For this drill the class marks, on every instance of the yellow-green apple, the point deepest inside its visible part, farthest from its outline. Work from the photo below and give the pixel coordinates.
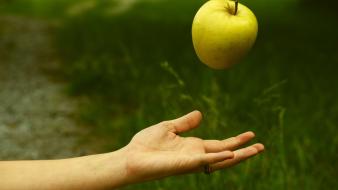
(223, 32)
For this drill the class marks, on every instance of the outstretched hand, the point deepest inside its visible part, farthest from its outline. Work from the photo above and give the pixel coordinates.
(153, 153)
(159, 151)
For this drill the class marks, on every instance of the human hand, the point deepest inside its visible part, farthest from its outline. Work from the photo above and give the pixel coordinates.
(159, 151)
(153, 153)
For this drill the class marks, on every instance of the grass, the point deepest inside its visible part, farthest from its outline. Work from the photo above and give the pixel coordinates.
(139, 68)
(36, 8)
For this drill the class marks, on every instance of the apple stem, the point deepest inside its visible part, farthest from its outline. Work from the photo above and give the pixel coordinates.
(236, 6)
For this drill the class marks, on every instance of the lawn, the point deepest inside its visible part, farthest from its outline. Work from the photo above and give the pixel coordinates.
(137, 67)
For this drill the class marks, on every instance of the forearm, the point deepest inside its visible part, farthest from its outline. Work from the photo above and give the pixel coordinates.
(103, 171)
(155, 152)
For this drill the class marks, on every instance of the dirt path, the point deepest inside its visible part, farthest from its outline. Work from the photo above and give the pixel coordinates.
(36, 117)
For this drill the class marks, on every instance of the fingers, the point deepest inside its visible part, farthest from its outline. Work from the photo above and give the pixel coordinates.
(239, 156)
(187, 122)
(212, 158)
(228, 144)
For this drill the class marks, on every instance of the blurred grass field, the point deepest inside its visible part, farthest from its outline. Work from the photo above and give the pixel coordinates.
(136, 66)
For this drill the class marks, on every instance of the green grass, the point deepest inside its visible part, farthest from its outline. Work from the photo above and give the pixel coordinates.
(139, 68)
(36, 8)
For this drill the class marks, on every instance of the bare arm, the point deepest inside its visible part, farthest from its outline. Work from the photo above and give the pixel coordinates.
(100, 171)
(153, 153)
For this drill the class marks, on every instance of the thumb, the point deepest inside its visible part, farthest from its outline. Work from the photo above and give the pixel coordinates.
(187, 122)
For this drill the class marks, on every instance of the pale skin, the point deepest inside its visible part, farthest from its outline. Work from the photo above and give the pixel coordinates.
(153, 153)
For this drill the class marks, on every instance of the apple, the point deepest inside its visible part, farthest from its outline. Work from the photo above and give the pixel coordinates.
(223, 32)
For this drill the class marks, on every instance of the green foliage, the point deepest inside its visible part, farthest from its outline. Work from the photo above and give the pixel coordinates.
(138, 67)
(36, 8)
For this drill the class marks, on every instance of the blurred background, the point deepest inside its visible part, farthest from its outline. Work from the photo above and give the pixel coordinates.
(81, 77)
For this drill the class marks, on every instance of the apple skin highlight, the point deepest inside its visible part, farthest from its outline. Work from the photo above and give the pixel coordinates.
(220, 37)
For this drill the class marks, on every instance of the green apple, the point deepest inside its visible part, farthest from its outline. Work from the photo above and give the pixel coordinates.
(223, 32)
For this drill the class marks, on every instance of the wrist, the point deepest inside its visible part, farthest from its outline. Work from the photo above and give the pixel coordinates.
(103, 171)
(112, 168)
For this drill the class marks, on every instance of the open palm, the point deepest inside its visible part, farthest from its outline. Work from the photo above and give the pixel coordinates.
(159, 151)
